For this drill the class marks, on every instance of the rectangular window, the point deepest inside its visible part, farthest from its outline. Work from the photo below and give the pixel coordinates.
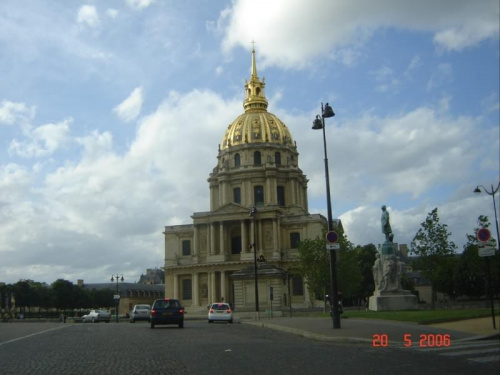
(186, 289)
(297, 286)
(186, 247)
(281, 196)
(237, 195)
(258, 196)
(294, 240)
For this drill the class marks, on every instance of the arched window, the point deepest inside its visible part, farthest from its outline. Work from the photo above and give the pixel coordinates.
(257, 158)
(258, 196)
(237, 160)
(277, 158)
(237, 195)
(280, 190)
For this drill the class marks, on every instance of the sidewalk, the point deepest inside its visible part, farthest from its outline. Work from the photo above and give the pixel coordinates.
(366, 330)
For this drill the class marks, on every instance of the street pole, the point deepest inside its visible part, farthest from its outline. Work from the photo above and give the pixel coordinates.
(117, 277)
(490, 285)
(328, 112)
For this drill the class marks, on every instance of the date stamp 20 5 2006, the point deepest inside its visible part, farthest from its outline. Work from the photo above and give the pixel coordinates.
(425, 340)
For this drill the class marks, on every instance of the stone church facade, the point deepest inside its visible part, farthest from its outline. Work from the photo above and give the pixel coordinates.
(212, 259)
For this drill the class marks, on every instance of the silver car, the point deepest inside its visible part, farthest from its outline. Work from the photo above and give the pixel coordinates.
(220, 311)
(140, 312)
(95, 316)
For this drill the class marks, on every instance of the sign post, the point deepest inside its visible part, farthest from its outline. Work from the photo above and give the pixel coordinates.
(485, 249)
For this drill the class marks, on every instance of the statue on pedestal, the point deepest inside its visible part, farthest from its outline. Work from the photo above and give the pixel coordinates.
(387, 272)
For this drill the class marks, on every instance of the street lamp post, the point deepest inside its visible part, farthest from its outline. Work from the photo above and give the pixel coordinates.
(492, 193)
(319, 123)
(117, 278)
(253, 214)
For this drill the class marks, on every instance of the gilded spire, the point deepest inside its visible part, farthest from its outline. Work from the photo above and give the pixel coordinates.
(255, 98)
(254, 65)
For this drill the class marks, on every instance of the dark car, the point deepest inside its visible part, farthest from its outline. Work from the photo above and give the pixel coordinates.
(167, 311)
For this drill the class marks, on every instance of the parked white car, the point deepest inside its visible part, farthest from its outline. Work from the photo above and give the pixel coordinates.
(95, 316)
(140, 312)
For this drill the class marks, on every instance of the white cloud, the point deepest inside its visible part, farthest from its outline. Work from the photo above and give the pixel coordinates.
(130, 108)
(443, 75)
(11, 112)
(41, 141)
(295, 33)
(113, 13)
(87, 16)
(386, 80)
(140, 4)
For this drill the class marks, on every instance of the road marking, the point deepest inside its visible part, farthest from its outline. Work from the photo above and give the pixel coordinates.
(33, 334)
(456, 346)
(493, 358)
(468, 352)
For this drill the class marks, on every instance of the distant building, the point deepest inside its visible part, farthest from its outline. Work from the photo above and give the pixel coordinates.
(212, 258)
(153, 277)
(130, 293)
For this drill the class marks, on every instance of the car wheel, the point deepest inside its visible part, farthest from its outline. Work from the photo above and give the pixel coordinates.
(132, 321)
(230, 321)
(181, 325)
(152, 325)
(210, 321)
(107, 321)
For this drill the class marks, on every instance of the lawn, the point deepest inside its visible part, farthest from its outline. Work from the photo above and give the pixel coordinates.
(419, 316)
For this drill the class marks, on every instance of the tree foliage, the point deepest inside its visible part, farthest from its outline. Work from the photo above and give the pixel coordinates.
(314, 262)
(432, 246)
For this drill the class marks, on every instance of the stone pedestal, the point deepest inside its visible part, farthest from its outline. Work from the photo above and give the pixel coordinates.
(403, 300)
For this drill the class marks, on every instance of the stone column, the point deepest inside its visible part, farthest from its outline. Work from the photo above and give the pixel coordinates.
(221, 238)
(176, 287)
(212, 238)
(252, 232)
(196, 293)
(212, 293)
(293, 193)
(196, 237)
(260, 246)
(244, 242)
(223, 285)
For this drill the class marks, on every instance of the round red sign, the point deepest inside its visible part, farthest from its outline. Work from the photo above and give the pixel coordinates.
(483, 234)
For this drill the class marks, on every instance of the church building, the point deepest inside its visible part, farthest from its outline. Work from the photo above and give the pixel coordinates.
(258, 203)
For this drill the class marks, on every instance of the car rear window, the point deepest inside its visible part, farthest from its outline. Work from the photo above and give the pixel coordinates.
(142, 307)
(220, 306)
(168, 304)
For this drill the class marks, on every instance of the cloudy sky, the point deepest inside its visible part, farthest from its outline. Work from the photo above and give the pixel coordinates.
(111, 113)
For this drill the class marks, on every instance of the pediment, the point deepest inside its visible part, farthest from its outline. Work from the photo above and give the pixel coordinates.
(231, 208)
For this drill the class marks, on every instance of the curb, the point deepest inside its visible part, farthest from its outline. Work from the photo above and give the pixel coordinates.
(310, 335)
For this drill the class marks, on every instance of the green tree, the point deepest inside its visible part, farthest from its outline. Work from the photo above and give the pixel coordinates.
(366, 258)
(314, 265)
(63, 294)
(431, 245)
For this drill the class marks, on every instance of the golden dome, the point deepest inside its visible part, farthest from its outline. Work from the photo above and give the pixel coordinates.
(256, 125)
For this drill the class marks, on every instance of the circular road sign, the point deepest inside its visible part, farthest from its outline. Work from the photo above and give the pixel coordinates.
(332, 237)
(483, 234)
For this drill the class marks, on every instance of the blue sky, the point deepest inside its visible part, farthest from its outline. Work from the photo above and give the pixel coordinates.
(111, 113)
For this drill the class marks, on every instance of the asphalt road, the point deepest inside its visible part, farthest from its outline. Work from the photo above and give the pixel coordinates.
(202, 348)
